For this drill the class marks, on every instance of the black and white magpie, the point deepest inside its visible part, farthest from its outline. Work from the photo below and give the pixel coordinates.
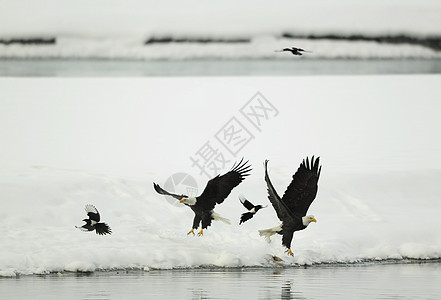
(294, 50)
(252, 209)
(92, 223)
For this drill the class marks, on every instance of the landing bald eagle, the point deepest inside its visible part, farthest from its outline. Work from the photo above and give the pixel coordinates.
(92, 222)
(292, 207)
(216, 191)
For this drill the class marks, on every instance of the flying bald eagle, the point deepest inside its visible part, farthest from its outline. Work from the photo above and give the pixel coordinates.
(217, 189)
(92, 222)
(294, 50)
(252, 209)
(292, 207)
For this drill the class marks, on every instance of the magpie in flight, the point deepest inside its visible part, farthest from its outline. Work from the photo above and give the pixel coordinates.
(252, 209)
(294, 50)
(92, 223)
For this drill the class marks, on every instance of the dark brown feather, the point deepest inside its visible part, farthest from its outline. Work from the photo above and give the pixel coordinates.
(161, 191)
(219, 187)
(303, 187)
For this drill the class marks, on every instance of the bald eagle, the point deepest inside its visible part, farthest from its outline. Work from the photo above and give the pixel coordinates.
(216, 191)
(292, 207)
(92, 223)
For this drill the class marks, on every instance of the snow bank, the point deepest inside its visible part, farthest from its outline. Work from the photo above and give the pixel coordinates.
(70, 142)
(109, 30)
(262, 47)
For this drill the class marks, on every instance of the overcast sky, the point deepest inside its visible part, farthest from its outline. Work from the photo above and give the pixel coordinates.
(144, 17)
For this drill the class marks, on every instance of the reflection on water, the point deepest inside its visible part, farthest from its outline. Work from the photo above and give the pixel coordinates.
(109, 68)
(286, 290)
(386, 281)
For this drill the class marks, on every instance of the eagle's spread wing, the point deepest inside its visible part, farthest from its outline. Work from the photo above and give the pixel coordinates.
(303, 187)
(164, 192)
(281, 209)
(219, 187)
(92, 212)
(248, 205)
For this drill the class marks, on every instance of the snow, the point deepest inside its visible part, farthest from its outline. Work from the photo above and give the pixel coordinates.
(259, 48)
(68, 142)
(112, 30)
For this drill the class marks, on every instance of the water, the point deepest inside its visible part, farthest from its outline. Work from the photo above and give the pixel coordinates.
(112, 68)
(363, 281)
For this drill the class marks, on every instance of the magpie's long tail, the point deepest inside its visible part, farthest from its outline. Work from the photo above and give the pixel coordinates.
(102, 229)
(245, 217)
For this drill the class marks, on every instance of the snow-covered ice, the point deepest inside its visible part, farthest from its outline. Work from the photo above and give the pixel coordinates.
(66, 143)
(111, 30)
(258, 48)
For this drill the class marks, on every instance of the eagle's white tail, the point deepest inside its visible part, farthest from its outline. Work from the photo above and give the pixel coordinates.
(267, 233)
(217, 217)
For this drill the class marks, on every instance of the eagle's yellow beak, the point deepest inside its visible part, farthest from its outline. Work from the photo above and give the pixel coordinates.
(314, 220)
(181, 201)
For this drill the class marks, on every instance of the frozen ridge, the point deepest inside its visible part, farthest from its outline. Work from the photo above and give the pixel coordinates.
(158, 240)
(271, 262)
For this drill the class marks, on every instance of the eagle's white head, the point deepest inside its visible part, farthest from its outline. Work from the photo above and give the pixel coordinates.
(189, 200)
(308, 219)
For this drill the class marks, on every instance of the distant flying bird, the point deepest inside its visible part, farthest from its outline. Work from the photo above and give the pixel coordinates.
(252, 209)
(292, 207)
(92, 223)
(294, 50)
(216, 191)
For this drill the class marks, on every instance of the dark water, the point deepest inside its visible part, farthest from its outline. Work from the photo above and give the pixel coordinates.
(111, 68)
(366, 281)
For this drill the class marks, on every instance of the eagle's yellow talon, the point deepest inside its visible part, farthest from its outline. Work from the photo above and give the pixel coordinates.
(191, 231)
(201, 233)
(289, 252)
